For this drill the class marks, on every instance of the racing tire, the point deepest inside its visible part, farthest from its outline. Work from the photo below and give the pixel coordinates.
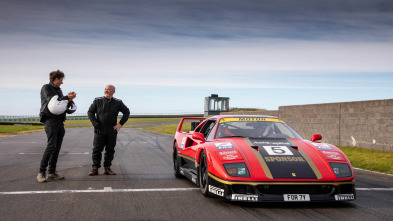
(176, 162)
(204, 181)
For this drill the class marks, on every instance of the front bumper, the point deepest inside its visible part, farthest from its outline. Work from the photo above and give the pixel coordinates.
(282, 191)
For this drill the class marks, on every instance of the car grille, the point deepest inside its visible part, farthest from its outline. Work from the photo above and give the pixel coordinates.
(295, 189)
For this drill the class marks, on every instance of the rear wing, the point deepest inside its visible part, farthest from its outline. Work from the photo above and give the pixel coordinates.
(195, 121)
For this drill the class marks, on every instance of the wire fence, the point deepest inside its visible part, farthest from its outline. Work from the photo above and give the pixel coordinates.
(83, 116)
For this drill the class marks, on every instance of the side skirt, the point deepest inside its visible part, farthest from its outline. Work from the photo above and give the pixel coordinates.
(190, 174)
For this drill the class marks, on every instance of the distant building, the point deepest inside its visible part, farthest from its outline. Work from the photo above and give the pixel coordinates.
(214, 105)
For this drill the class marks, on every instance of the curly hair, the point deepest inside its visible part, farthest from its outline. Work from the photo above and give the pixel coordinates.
(55, 75)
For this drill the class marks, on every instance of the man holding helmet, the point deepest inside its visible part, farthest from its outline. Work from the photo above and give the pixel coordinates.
(54, 107)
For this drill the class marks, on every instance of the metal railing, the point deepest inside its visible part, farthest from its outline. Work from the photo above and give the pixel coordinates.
(83, 116)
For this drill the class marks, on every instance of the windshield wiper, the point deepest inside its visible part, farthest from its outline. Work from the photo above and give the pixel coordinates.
(231, 136)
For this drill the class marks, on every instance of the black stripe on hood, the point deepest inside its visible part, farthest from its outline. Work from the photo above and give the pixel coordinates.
(283, 159)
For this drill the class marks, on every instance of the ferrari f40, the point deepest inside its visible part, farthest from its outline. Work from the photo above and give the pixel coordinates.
(260, 159)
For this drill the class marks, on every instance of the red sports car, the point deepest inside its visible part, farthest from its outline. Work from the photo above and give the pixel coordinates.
(260, 158)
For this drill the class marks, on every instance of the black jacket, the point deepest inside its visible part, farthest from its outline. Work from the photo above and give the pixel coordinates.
(103, 114)
(47, 92)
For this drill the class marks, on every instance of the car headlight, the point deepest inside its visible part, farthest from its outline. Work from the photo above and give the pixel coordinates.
(237, 169)
(341, 169)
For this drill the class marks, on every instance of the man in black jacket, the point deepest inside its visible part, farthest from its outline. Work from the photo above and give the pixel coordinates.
(53, 124)
(103, 114)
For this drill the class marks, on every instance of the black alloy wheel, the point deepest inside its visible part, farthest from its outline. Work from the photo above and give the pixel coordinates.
(204, 175)
(176, 162)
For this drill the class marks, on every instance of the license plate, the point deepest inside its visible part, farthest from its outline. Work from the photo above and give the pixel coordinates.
(296, 197)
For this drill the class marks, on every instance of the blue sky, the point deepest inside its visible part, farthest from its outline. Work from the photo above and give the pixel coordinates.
(166, 56)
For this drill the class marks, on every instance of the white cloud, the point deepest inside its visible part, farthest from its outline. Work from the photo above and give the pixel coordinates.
(209, 63)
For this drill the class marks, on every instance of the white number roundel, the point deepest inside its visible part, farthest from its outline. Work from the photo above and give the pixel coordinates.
(277, 150)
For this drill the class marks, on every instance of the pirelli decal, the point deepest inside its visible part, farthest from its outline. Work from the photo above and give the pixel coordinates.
(280, 158)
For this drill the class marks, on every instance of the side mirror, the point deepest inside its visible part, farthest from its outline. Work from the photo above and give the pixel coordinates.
(198, 136)
(316, 138)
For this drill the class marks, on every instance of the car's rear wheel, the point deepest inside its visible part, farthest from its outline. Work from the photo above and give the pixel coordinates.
(204, 175)
(176, 162)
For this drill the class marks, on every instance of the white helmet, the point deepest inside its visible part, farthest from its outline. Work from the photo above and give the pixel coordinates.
(57, 107)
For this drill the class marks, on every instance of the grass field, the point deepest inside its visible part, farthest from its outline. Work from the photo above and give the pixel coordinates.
(18, 128)
(374, 160)
(130, 121)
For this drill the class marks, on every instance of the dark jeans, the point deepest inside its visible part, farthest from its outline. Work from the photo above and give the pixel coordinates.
(54, 130)
(101, 141)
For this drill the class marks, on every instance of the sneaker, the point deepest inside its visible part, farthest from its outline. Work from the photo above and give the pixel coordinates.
(108, 171)
(54, 176)
(41, 178)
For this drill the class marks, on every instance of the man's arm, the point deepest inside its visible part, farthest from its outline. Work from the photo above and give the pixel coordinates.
(46, 93)
(92, 114)
(126, 113)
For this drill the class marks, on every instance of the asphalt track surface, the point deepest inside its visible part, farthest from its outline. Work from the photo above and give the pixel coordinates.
(145, 187)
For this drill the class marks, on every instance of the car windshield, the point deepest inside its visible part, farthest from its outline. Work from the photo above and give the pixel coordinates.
(254, 128)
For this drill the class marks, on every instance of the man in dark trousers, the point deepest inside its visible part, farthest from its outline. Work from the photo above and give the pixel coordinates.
(54, 107)
(103, 114)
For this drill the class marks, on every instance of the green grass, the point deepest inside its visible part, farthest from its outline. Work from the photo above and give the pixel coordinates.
(130, 121)
(18, 128)
(381, 161)
(169, 128)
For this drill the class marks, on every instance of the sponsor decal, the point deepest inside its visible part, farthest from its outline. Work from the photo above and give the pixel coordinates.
(229, 155)
(277, 150)
(341, 197)
(221, 153)
(224, 146)
(284, 159)
(332, 155)
(322, 146)
(216, 191)
(183, 142)
(243, 197)
(278, 143)
(230, 119)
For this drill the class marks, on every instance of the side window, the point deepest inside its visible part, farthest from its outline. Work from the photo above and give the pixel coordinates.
(207, 128)
(211, 131)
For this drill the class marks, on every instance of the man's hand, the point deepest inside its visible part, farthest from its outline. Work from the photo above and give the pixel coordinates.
(117, 127)
(71, 95)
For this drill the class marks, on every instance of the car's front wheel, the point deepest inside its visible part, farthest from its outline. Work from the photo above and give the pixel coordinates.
(204, 175)
(176, 162)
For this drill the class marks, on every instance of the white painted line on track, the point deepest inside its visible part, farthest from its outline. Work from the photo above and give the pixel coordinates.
(372, 171)
(17, 142)
(110, 190)
(59, 153)
(376, 189)
(105, 190)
